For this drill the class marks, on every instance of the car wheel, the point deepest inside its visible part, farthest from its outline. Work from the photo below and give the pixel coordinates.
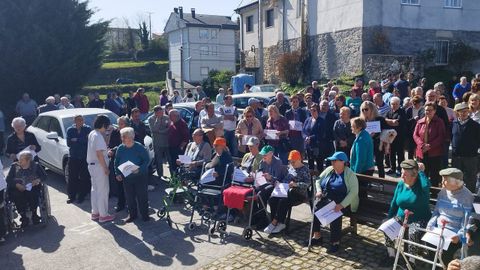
(66, 171)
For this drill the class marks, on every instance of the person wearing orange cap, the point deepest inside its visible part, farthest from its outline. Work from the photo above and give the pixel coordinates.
(298, 180)
(220, 160)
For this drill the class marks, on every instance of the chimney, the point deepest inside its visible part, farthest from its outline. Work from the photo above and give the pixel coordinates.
(180, 9)
(175, 10)
(193, 13)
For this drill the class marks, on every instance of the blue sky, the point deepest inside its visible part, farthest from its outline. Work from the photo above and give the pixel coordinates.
(135, 10)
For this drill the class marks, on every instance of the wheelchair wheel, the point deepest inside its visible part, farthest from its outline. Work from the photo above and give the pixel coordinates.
(206, 216)
(191, 226)
(222, 226)
(211, 231)
(162, 212)
(44, 205)
(247, 234)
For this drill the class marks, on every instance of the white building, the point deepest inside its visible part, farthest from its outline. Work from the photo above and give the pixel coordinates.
(348, 36)
(200, 43)
(122, 38)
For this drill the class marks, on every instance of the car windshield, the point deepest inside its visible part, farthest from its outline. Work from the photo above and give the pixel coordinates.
(89, 119)
(263, 88)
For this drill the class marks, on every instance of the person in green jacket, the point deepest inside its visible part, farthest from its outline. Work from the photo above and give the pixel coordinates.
(413, 194)
(361, 156)
(336, 183)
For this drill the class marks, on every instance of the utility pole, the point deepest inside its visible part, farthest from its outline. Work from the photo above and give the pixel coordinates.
(181, 68)
(260, 42)
(150, 23)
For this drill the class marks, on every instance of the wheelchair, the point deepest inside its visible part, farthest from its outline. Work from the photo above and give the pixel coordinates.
(204, 195)
(12, 216)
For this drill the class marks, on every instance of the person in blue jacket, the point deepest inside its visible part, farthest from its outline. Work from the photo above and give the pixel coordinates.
(135, 183)
(361, 156)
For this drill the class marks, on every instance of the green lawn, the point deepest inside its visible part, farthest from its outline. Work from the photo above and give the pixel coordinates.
(129, 64)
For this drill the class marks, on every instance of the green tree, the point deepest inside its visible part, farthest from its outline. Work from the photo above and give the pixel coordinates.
(143, 33)
(47, 47)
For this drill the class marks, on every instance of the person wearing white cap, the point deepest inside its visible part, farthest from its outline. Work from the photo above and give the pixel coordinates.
(251, 160)
(465, 144)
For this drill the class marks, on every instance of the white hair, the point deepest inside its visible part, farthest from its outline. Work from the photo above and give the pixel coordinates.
(18, 121)
(332, 93)
(406, 101)
(25, 154)
(397, 99)
(451, 180)
(50, 99)
(127, 131)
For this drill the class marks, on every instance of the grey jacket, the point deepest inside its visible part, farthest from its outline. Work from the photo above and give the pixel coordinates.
(159, 129)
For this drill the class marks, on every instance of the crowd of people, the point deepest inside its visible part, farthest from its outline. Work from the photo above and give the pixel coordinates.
(361, 131)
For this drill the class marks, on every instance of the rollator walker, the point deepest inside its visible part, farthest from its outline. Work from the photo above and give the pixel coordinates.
(400, 246)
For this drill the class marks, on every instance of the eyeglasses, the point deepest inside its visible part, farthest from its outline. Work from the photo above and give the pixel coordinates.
(365, 110)
(248, 116)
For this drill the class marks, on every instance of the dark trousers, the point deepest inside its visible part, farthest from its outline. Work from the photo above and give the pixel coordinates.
(172, 163)
(79, 179)
(468, 165)
(335, 226)
(161, 154)
(229, 136)
(3, 228)
(137, 195)
(116, 187)
(280, 206)
(396, 151)
(318, 159)
(432, 166)
(379, 156)
(22, 199)
(2, 142)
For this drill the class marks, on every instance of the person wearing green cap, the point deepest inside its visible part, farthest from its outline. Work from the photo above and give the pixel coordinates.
(452, 203)
(413, 194)
(465, 144)
(274, 171)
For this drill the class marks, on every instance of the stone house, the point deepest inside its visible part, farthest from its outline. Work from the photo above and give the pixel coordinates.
(199, 43)
(350, 36)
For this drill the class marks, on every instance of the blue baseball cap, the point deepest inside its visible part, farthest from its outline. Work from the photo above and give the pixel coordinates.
(338, 156)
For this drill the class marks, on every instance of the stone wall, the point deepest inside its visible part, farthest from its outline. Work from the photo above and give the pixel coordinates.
(376, 66)
(336, 53)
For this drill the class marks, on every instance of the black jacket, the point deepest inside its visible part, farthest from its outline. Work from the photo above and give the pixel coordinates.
(465, 138)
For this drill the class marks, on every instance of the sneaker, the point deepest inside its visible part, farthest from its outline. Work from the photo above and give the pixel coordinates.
(269, 229)
(150, 187)
(389, 172)
(95, 216)
(130, 219)
(69, 201)
(280, 227)
(333, 248)
(106, 218)
(315, 242)
(119, 208)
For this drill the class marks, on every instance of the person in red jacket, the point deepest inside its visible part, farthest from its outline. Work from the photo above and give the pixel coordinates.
(178, 137)
(429, 136)
(142, 102)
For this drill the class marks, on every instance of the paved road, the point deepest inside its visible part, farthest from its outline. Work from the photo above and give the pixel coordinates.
(72, 241)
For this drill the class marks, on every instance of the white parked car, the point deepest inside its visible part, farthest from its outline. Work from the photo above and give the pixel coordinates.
(50, 129)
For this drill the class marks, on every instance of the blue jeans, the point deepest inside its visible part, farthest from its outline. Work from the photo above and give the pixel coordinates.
(231, 141)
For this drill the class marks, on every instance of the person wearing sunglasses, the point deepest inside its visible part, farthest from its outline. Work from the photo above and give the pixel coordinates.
(248, 127)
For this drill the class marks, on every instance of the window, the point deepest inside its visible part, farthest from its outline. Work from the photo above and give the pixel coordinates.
(55, 127)
(203, 33)
(299, 8)
(453, 3)
(204, 50)
(411, 2)
(269, 18)
(441, 52)
(214, 50)
(214, 33)
(42, 123)
(204, 71)
(249, 24)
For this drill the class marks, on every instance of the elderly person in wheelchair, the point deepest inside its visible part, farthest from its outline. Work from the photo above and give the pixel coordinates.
(24, 183)
(454, 202)
(199, 151)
